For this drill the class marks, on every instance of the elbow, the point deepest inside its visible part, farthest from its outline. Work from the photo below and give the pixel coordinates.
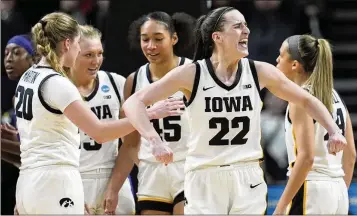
(128, 103)
(307, 159)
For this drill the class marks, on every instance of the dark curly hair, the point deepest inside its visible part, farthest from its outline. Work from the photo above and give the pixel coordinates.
(181, 23)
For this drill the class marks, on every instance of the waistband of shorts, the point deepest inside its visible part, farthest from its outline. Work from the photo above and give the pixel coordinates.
(97, 173)
(240, 165)
(323, 178)
(50, 167)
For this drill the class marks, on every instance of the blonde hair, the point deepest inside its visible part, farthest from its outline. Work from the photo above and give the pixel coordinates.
(88, 31)
(317, 61)
(49, 31)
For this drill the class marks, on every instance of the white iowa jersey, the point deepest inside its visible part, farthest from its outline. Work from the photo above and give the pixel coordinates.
(47, 136)
(173, 129)
(324, 164)
(224, 120)
(105, 101)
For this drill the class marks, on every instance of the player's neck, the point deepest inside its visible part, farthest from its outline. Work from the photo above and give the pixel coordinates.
(300, 79)
(85, 86)
(160, 70)
(224, 66)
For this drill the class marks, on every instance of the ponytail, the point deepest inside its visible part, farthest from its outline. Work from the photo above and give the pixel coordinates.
(321, 79)
(200, 50)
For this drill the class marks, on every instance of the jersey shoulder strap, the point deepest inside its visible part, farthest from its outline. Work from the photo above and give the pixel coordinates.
(114, 85)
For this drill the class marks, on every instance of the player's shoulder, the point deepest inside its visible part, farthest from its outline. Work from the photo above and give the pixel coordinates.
(116, 77)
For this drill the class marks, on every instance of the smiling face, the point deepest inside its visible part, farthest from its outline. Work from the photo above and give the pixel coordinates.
(156, 41)
(90, 58)
(234, 36)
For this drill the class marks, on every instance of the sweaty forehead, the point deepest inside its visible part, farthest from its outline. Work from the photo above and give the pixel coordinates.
(234, 16)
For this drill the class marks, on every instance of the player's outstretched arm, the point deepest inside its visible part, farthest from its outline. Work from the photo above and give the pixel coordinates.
(277, 83)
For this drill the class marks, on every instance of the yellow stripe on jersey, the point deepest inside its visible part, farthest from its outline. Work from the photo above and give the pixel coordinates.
(295, 147)
(156, 199)
(304, 198)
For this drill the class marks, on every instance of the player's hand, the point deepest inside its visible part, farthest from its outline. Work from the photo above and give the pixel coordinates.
(336, 143)
(9, 132)
(110, 202)
(161, 151)
(15, 211)
(86, 209)
(164, 108)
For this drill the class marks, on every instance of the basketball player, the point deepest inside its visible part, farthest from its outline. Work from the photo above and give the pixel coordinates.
(103, 92)
(19, 55)
(316, 182)
(160, 188)
(223, 175)
(49, 110)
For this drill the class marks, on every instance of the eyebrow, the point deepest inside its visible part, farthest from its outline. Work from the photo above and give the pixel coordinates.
(156, 33)
(239, 22)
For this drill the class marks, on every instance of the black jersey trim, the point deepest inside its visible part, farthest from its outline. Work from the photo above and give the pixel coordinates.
(255, 77)
(195, 83)
(94, 92)
(218, 81)
(114, 86)
(134, 82)
(43, 102)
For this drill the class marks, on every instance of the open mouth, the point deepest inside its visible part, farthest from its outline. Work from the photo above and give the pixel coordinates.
(93, 70)
(243, 43)
(153, 55)
(9, 69)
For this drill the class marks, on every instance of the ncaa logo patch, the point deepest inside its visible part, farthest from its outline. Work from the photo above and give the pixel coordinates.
(105, 88)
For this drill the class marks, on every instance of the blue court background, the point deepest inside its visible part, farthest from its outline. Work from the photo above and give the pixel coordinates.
(275, 191)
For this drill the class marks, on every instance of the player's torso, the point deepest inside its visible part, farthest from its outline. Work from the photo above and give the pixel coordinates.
(105, 104)
(224, 120)
(47, 136)
(324, 164)
(173, 129)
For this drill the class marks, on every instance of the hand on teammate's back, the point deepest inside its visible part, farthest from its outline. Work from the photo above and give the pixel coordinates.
(164, 108)
(336, 143)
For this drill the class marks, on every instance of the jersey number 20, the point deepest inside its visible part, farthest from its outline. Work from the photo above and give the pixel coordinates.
(24, 104)
(226, 125)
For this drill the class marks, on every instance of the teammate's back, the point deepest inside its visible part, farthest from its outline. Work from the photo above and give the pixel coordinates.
(325, 164)
(47, 136)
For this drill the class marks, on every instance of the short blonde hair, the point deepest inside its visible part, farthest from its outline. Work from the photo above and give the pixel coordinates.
(88, 31)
